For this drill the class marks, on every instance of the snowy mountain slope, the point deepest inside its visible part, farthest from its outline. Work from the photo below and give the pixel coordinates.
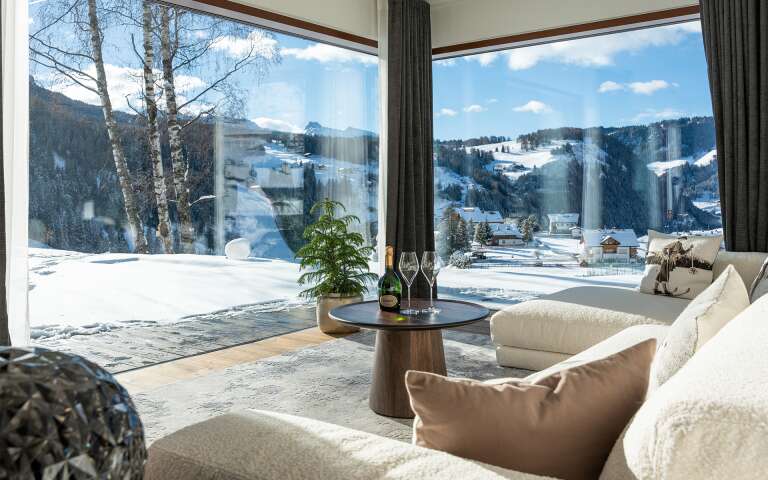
(706, 159)
(660, 168)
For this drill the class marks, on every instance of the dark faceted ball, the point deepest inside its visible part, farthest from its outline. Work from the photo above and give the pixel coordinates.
(62, 416)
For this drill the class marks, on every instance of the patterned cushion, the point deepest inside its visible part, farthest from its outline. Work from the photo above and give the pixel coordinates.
(679, 266)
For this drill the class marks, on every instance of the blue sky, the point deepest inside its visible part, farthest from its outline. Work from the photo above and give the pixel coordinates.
(313, 82)
(635, 77)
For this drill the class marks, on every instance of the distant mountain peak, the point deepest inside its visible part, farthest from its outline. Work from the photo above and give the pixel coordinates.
(316, 128)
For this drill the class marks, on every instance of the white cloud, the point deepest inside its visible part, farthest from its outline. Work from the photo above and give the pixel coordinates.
(446, 112)
(448, 62)
(492, 100)
(599, 51)
(651, 114)
(257, 42)
(640, 88)
(610, 86)
(323, 53)
(125, 84)
(484, 59)
(280, 100)
(276, 124)
(474, 108)
(649, 87)
(534, 106)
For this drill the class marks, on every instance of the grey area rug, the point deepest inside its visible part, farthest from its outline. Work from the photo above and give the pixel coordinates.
(326, 382)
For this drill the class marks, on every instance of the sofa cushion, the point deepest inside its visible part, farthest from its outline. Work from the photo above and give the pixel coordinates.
(710, 420)
(563, 425)
(528, 359)
(259, 445)
(699, 322)
(575, 319)
(760, 284)
(746, 263)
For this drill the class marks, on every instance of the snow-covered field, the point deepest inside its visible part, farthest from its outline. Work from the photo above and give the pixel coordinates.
(75, 293)
(510, 274)
(78, 293)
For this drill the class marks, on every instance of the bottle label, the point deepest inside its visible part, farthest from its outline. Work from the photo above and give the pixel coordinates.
(388, 300)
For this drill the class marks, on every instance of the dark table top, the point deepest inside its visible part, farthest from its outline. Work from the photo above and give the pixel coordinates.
(453, 313)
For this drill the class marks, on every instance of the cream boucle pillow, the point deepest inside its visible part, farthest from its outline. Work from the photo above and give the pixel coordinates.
(760, 285)
(679, 266)
(699, 322)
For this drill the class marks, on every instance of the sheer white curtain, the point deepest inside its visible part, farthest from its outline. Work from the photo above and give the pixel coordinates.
(382, 11)
(14, 25)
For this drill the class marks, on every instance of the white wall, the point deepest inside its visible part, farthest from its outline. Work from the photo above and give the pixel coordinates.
(351, 16)
(461, 21)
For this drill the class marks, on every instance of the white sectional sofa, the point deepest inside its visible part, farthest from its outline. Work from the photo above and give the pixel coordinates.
(710, 420)
(540, 333)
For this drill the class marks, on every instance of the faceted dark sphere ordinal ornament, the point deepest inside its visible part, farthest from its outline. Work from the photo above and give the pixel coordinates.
(62, 416)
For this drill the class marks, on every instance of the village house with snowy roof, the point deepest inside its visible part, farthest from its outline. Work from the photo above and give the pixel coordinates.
(562, 222)
(613, 245)
(506, 235)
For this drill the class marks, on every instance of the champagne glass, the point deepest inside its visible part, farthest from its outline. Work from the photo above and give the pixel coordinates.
(409, 268)
(430, 267)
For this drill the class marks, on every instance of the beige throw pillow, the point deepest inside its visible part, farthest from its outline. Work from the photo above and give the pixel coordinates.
(760, 285)
(563, 425)
(679, 266)
(699, 322)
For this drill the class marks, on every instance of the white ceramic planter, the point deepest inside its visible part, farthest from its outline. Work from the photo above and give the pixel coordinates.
(326, 304)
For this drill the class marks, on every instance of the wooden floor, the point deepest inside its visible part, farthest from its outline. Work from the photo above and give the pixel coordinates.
(147, 378)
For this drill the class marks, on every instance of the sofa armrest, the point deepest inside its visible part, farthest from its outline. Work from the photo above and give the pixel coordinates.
(260, 445)
(613, 344)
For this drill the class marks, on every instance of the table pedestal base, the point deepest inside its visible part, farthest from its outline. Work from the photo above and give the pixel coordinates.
(398, 351)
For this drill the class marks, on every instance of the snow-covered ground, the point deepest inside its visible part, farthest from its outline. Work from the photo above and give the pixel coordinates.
(75, 293)
(510, 274)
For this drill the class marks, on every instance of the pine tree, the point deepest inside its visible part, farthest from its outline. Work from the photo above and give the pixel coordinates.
(461, 241)
(527, 228)
(478, 233)
(447, 233)
(338, 259)
(487, 233)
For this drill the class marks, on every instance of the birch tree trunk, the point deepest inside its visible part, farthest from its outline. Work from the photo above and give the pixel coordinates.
(161, 197)
(123, 175)
(180, 167)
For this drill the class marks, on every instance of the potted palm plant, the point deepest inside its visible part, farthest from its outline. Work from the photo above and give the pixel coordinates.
(335, 261)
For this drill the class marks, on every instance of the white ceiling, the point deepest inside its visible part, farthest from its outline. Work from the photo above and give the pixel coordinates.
(461, 21)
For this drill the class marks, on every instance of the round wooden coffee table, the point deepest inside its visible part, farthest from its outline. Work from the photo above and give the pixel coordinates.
(405, 343)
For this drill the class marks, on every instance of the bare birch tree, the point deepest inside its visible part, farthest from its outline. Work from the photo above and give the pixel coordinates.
(73, 62)
(199, 46)
(153, 132)
(179, 164)
(189, 41)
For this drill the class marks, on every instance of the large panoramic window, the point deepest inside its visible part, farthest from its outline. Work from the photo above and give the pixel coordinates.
(175, 157)
(553, 161)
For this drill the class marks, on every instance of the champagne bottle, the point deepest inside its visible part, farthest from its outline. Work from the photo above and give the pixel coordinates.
(390, 289)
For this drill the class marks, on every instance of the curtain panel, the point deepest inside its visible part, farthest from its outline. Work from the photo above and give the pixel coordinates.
(736, 44)
(409, 168)
(14, 318)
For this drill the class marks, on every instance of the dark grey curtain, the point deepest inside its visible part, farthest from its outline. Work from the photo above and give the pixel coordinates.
(5, 338)
(736, 44)
(410, 221)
